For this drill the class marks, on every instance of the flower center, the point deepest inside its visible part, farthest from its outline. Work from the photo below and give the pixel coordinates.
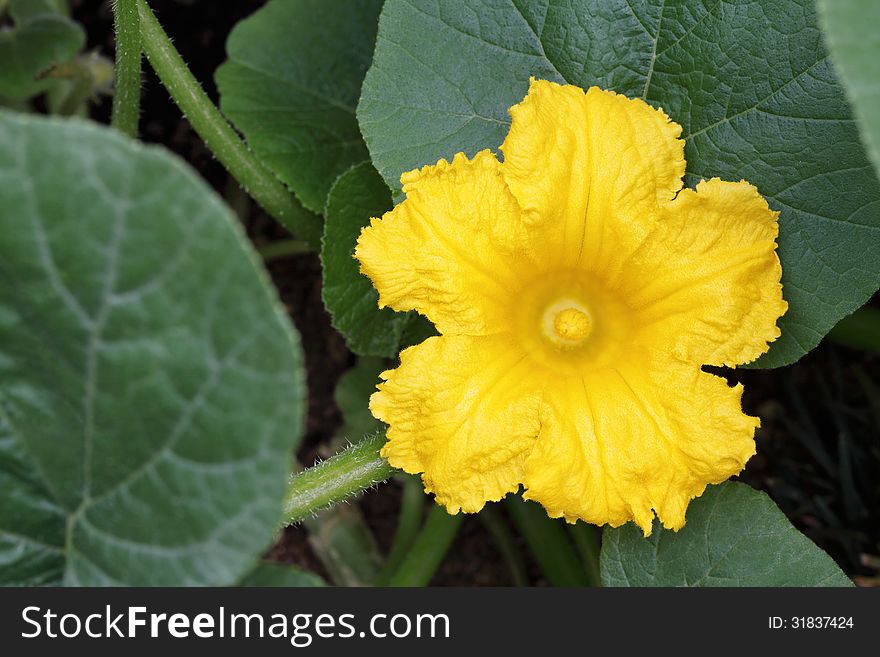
(567, 324)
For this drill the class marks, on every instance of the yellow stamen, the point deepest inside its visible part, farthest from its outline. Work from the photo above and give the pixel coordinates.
(572, 325)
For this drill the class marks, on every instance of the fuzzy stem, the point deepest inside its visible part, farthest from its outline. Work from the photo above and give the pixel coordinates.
(127, 88)
(348, 473)
(214, 129)
(428, 550)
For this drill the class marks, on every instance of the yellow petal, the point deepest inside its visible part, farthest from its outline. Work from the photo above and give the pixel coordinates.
(708, 288)
(586, 166)
(450, 249)
(624, 443)
(464, 411)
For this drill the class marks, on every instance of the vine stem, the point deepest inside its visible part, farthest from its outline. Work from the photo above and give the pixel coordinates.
(127, 87)
(277, 250)
(409, 521)
(214, 129)
(348, 473)
(428, 550)
(496, 525)
(586, 542)
(549, 543)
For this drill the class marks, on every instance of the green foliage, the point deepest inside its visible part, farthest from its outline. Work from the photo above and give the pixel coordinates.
(23, 10)
(269, 574)
(291, 86)
(349, 296)
(852, 37)
(42, 36)
(750, 83)
(734, 536)
(352, 396)
(151, 390)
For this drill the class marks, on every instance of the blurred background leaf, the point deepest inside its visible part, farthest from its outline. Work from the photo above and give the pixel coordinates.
(854, 41)
(268, 574)
(41, 36)
(150, 400)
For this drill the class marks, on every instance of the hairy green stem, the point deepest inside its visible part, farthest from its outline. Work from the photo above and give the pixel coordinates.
(282, 249)
(263, 186)
(127, 88)
(348, 473)
(496, 525)
(860, 330)
(428, 550)
(586, 542)
(548, 542)
(412, 506)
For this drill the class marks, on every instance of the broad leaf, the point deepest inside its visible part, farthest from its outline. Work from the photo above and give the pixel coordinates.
(734, 536)
(151, 389)
(349, 296)
(276, 575)
(854, 42)
(750, 83)
(33, 45)
(31, 523)
(292, 83)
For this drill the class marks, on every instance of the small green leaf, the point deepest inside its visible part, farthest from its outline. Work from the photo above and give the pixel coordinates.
(23, 10)
(276, 575)
(352, 396)
(734, 536)
(852, 37)
(291, 86)
(750, 83)
(151, 389)
(349, 296)
(37, 41)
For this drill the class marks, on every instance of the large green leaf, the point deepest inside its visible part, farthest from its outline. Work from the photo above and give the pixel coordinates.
(37, 41)
(292, 83)
(31, 523)
(151, 389)
(734, 536)
(750, 83)
(854, 42)
(358, 195)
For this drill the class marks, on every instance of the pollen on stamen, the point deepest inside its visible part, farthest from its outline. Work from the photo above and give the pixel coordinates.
(572, 325)
(567, 324)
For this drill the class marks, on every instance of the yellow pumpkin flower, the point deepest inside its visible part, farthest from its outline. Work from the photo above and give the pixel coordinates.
(578, 290)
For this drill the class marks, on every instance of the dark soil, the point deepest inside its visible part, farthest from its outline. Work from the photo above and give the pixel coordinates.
(818, 449)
